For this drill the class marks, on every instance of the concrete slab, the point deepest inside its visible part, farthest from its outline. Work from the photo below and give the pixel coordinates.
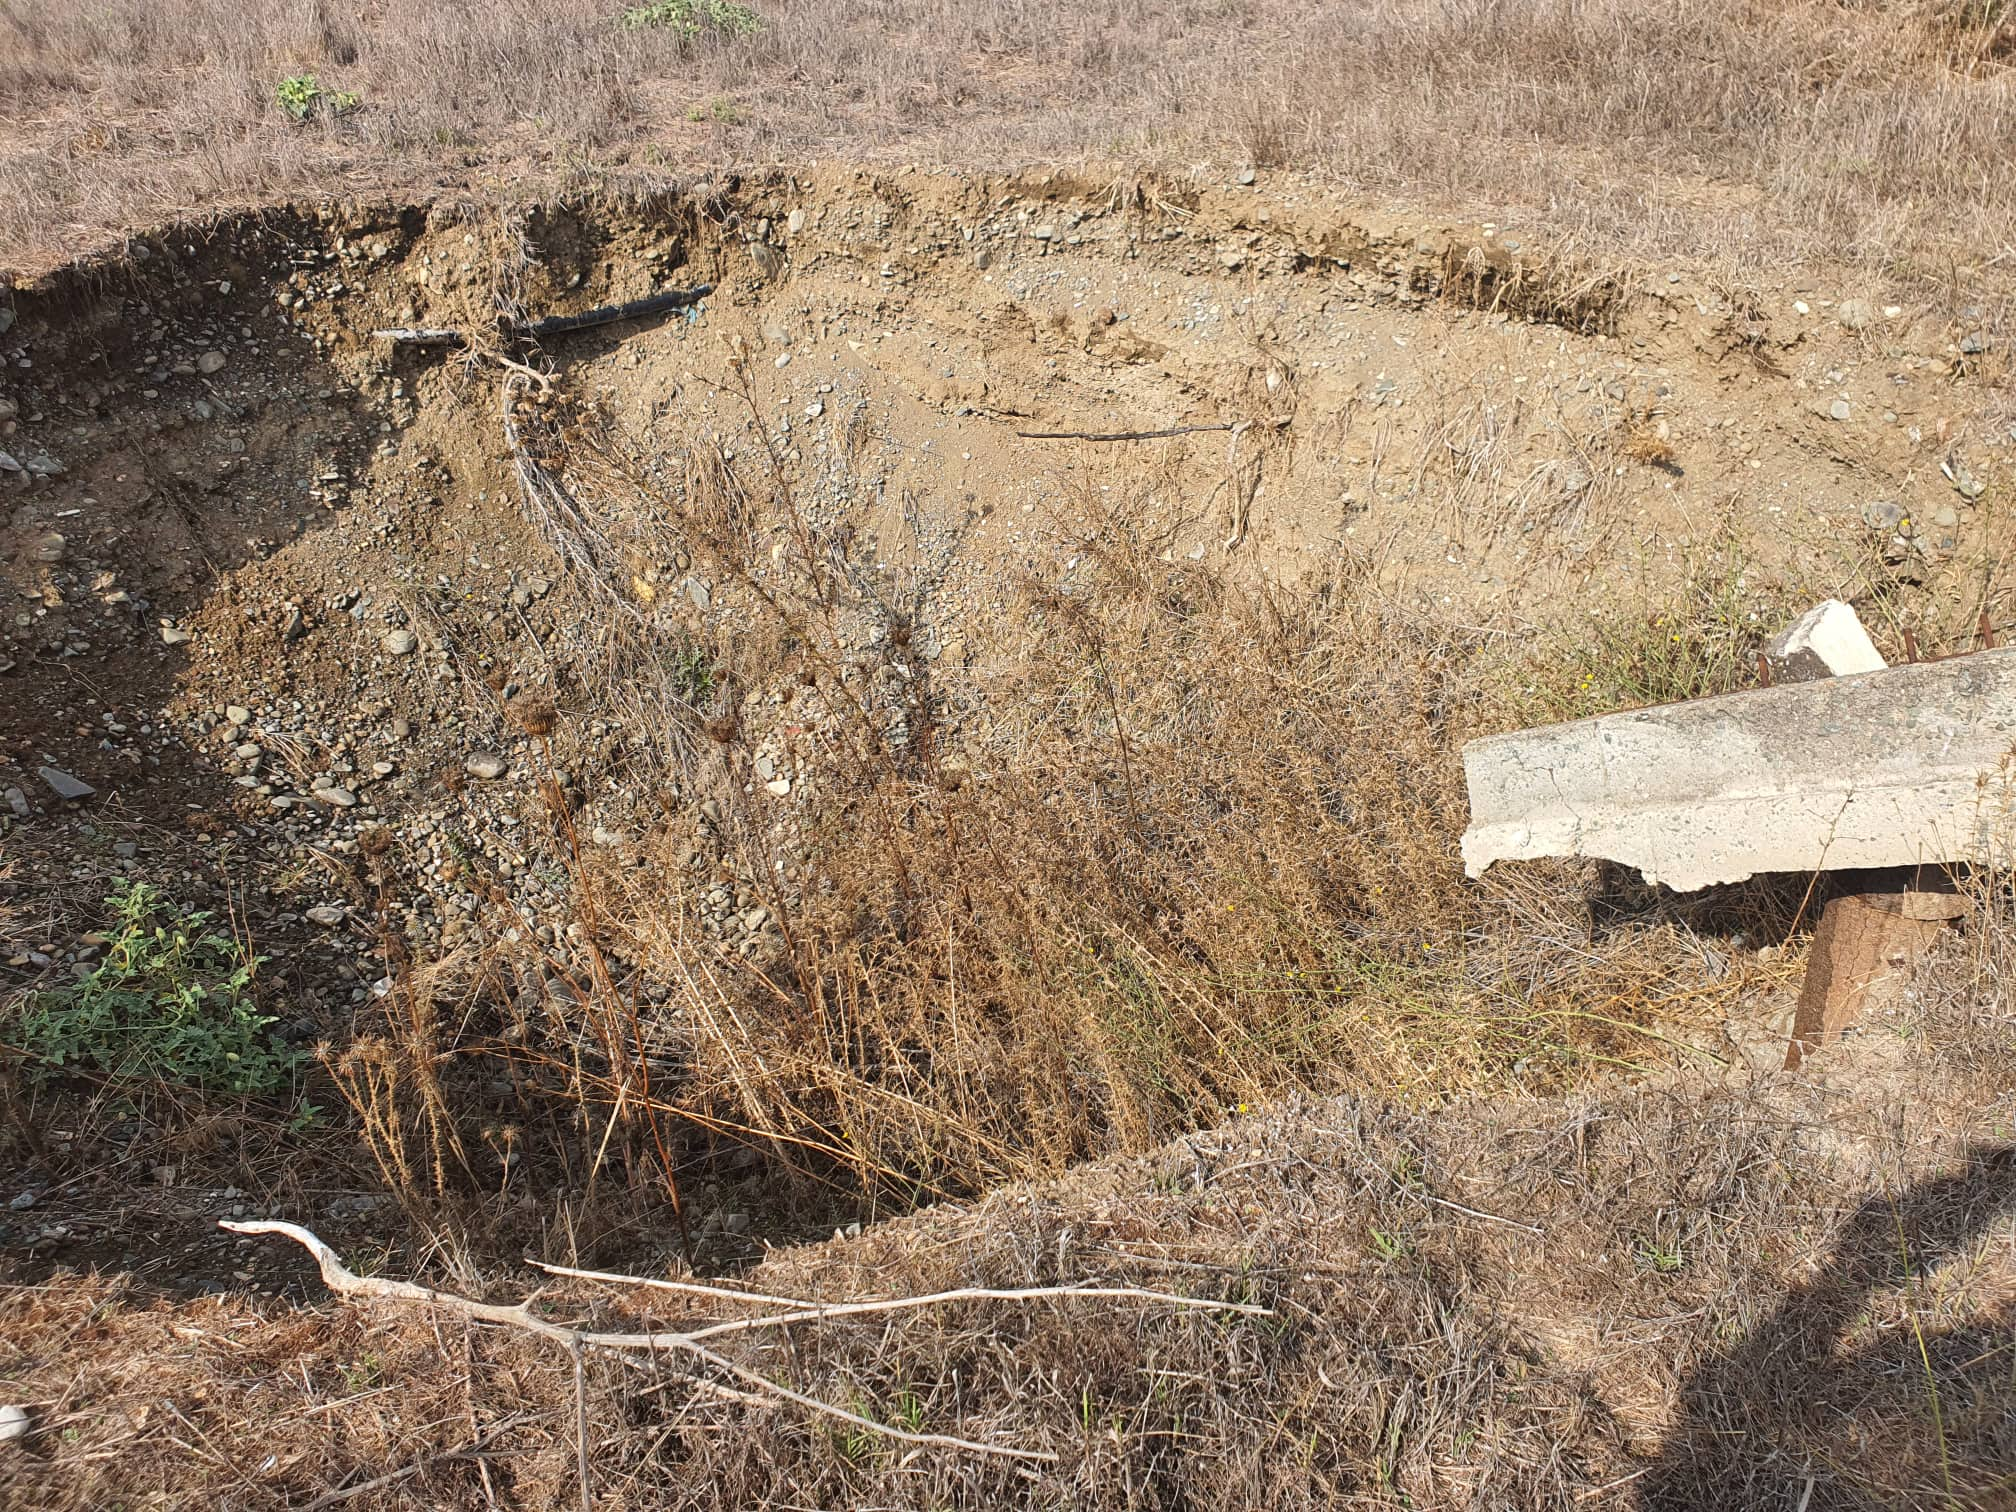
(1907, 766)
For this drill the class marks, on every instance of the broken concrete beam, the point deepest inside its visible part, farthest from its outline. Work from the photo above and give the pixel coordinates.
(1826, 641)
(1863, 951)
(1908, 766)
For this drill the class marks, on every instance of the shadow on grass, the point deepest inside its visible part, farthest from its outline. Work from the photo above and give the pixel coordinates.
(1849, 1396)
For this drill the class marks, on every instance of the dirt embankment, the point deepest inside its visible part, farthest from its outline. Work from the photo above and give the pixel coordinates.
(510, 701)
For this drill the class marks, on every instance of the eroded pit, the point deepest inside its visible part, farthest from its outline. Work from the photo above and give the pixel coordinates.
(977, 691)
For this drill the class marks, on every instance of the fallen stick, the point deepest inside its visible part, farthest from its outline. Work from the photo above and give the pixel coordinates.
(554, 325)
(345, 1282)
(1148, 435)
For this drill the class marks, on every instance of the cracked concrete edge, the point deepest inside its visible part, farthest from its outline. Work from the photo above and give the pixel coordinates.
(1905, 766)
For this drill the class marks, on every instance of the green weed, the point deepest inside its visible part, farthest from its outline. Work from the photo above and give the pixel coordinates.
(302, 95)
(689, 20)
(171, 1001)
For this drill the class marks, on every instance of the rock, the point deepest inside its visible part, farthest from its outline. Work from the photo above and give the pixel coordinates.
(697, 593)
(486, 766)
(795, 222)
(8, 410)
(172, 636)
(399, 642)
(325, 914)
(1974, 343)
(50, 546)
(778, 788)
(125, 850)
(1839, 409)
(66, 786)
(18, 802)
(1883, 514)
(1232, 259)
(1045, 232)
(983, 259)
(1826, 641)
(22, 1201)
(8, 464)
(1247, 175)
(238, 714)
(1856, 314)
(337, 797)
(210, 362)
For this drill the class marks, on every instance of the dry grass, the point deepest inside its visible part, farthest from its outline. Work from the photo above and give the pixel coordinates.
(1872, 133)
(1171, 849)
(1680, 1295)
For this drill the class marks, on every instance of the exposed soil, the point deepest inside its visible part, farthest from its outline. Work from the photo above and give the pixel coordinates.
(275, 587)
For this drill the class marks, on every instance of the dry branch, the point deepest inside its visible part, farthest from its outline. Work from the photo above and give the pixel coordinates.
(347, 1283)
(1146, 435)
(554, 325)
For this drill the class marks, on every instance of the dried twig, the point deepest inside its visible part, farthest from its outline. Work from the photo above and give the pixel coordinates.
(345, 1282)
(1148, 435)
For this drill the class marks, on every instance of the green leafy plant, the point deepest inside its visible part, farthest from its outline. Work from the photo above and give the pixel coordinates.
(171, 1001)
(302, 95)
(689, 20)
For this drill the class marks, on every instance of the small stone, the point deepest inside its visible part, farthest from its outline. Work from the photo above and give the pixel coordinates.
(14, 1421)
(1800, 307)
(486, 766)
(22, 1201)
(1974, 343)
(337, 797)
(18, 801)
(238, 714)
(66, 786)
(125, 850)
(1839, 409)
(1045, 232)
(1855, 314)
(325, 914)
(1883, 514)
(399, 642)
(795, 222)
(172, 636)
(778, 788)
(1231, 259)
(50, 546)
(210, 362)
(1247, 175)
(983, 259)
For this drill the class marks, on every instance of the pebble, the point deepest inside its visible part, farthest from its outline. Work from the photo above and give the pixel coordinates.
(171, 636)
(795, 222)
(210, 362)
(983, 259)
(49, 546)
(486, 766)
(779, 788)
(22, 1201)
(1974, 343)
(399, 642)
(238, 714)
(1856, 314)
(1883, 514)
(66, 786)
(339, 797)
(14, 1423)
(18, 801)
(325, 914)
(1839, 409)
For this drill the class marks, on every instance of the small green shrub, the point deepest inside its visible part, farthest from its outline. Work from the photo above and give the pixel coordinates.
(171, 1001)
(302, 95)
(689, 20)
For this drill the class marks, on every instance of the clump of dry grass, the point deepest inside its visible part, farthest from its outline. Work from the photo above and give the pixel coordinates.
(1870, 134)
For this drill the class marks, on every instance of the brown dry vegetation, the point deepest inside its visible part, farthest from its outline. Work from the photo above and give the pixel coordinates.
(1675, 1296)
(1871, 133)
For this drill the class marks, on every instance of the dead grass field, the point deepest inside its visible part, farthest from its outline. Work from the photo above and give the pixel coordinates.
(1872, 134)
